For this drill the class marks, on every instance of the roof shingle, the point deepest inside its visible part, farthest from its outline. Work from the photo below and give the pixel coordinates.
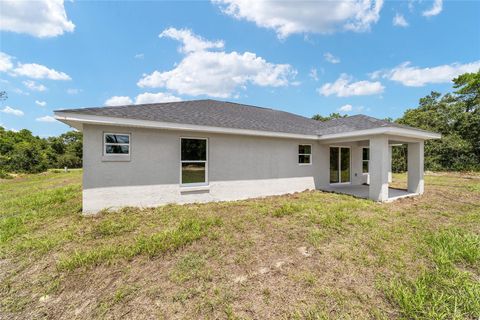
(234, 115)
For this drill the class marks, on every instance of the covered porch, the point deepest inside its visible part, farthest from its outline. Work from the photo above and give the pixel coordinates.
(360, 163)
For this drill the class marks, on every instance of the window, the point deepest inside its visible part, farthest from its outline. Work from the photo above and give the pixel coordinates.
(116, 144)
(340, 165)
(193, 161)
(304, 154)
(365, 159)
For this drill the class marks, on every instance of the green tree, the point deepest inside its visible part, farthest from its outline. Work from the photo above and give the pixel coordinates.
(334, 115)
(23, 152)
(27, 157)
(457, 117)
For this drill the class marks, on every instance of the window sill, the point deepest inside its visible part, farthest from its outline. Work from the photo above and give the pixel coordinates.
(186, 188)
(116, 158)
(305, 164)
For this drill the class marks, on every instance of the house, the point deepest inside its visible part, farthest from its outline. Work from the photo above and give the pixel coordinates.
(207, 150)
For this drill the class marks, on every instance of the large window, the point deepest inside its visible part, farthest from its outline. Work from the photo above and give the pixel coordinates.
(365, 159)
(193, 161)
(116, 144)
(304, 154)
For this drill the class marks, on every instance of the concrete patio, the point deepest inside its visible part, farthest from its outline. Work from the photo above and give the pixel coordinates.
(362, 191)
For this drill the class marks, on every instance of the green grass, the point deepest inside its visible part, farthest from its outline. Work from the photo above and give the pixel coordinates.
(311, 255)
(444, 291)
(151, 245)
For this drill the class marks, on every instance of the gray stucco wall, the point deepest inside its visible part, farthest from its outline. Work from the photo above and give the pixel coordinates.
(239, 167)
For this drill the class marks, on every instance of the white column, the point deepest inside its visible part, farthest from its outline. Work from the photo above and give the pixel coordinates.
(389, 164)
(378, 190)
(415, 167)
(357, 176)
(321, 163)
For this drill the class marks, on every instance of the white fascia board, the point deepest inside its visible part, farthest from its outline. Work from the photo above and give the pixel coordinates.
(402, 132)
(70, 118)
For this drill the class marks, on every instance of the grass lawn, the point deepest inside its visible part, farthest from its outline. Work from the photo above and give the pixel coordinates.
(310, 255)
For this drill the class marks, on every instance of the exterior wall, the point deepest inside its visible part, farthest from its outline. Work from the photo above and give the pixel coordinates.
(239, 167)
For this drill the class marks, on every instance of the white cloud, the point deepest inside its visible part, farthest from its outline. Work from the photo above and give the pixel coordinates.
(191, 42)
(345, 108)
(291, 17)
(12, 111)
(217, 73)
(46, 119)
(21, 92)
(344, 87)
(313, 74)
(399, 21)
(434, 10)
(148, 97)
(30, 70)
(40, 18)
(142, 98)
(416, 77)
(6, 63)
(118, 101)
(40, 103)
(32, 85)
(139, 56)
(331, 58)
(73, 91)
(38, 71)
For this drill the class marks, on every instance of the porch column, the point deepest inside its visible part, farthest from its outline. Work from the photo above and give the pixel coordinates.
(389, 164)
(415, 167)
(378, 190)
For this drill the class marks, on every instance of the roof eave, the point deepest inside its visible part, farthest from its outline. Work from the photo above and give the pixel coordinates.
(77, 120)
(395, 131)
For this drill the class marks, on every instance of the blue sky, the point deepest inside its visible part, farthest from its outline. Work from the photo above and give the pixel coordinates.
(371, 57)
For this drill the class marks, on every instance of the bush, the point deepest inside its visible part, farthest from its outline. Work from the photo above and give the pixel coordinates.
(4, 175)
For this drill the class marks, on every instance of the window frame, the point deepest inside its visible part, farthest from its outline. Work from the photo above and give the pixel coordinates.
(116, 156)
(305, 154)
(367, 161)
(340, 147)
(194, 184)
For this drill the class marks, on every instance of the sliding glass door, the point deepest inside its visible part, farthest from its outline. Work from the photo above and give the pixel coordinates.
(339, 164)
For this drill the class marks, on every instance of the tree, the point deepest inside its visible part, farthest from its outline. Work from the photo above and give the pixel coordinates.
(331, 116)
(468, 85)
(23, 152)
(457, 117)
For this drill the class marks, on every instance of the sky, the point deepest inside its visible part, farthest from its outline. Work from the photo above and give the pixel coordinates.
(307, 57)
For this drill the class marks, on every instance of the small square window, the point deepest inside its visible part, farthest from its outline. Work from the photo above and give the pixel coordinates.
(304, 154)
(116, 144)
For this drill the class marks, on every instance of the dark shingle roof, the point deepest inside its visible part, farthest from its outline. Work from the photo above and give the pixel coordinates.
(357, 122)
(210, 113)
(234, 115)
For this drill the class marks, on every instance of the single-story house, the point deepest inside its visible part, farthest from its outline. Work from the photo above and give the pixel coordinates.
(207, 150)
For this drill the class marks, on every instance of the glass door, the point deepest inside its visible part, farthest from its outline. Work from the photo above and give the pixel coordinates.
(339, 164)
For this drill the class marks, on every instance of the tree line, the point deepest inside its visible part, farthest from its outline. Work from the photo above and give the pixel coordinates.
(22, 152)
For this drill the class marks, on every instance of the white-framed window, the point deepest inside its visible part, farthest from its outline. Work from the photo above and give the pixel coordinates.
(193, 161)
(365, 159)
(304, 154)
(116, 144)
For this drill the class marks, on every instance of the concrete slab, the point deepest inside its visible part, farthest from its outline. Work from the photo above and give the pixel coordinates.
(362, 191)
